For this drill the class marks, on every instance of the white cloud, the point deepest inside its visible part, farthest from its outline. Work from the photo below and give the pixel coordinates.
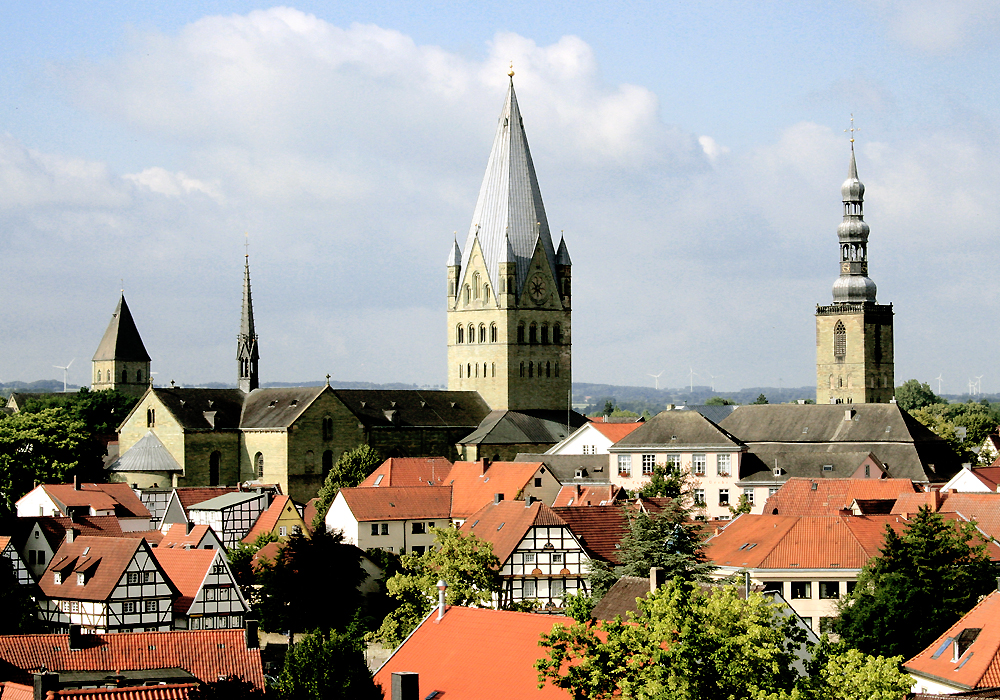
(939, 26)
(157, 179)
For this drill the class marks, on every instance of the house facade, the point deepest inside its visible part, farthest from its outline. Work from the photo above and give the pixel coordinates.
(398, 519)
(593, 438)
(209, 597)
(231, 515)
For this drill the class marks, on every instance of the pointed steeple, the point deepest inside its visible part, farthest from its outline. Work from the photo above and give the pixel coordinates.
(455, 257)
(508, 251)
(562, 255)
(510, 201)
(246, 344)
(121, 340)
(853, 286)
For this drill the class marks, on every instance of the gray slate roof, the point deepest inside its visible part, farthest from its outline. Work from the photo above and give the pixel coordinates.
(147, 455)
(510, 202)
(677, 429)
(197, 409)
(227, 500)
(415, 408)
(621, 598)
(563, 467)
(277, 408)
(121, 340)
(713, 413)
(537, 427)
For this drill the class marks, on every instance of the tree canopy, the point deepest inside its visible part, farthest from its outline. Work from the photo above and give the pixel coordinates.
(761, 399)
(911, 395)
(464, 562)
(921, 583)
(963, 425)
(719, 401)
(351, 469)
(20, 610)
(327, 666)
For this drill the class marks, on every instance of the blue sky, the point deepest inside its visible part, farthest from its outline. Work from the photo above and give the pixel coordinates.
(693, 154)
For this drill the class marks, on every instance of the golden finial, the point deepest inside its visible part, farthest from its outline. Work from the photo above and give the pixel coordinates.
(511, 73)
(852, 129)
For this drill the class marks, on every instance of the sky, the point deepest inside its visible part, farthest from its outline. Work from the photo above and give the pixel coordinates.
(692, 154)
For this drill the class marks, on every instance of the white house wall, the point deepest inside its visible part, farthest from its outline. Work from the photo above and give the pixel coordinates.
(219, 604)
(548, 560)
(37, 503)
(586, 440)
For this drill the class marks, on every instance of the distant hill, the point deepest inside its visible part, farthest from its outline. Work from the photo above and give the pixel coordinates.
(42, 386)
(639, 398)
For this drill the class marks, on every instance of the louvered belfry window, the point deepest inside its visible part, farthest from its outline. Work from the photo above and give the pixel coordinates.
(839, 340)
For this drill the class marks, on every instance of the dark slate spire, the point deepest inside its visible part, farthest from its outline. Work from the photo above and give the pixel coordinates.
(510, 202)
(246, 348)
(853, 286)
(562, 255)
(121, 340)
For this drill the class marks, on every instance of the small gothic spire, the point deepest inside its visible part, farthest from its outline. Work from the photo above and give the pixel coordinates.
(246, 345)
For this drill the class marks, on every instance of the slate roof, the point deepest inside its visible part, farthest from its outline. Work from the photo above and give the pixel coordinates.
(509, 214)
(410, 471)
(118, 497)
(226, 500)
(903, 445)
(475, 653)
(582, 495)
(189, 496)
(979, 664)
(103, 565)
(208, 654)
(529, 427)
(203, 409)
(563, 467)
(121, 340)
(598, 528)
(473, 487)
(399, 502)
(800, 542)
(677, 429)
(414, 408)
(186, 569)
(279, 407)
(621, 598)
(713, 413)
(147, 455)
(798, 496)
(505, 524)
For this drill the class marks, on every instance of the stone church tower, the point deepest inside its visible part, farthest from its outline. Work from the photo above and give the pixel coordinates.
(246, 343)
(121, 361)
(854, 352)
(509, 288)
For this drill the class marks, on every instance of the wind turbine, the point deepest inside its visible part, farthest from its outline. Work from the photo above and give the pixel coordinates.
(714, 377)
(938, 380)
(65, 371)
(979, 385)
(693, 375)
(657, 378)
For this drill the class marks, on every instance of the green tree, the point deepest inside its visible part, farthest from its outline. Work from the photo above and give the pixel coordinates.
(921, 582)
(241, 562)
(327, 666)
(46, 446)
(228, 688)
(853, 675)
(308, 574)
(609, 408)
(663, 484)
(761, 399)
(20, 611)
(351, 469)
(466, 564)
(963, 425)
(742, 506)
(579, 606)
(911, 395)
(719, 401)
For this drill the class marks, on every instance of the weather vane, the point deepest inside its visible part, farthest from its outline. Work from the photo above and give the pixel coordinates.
(511, 73)
(852, 129)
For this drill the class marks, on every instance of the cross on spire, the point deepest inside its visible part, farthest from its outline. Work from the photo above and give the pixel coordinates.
(246, 245)
(511, 73)
(852, 130)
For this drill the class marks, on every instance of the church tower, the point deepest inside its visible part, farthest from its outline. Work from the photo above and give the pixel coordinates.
(121, 361)
(509, 287)
(246, 343)
(854, 353)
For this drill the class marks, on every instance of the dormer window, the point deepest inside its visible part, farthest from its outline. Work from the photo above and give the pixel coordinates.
(81, 579)
(57, 578)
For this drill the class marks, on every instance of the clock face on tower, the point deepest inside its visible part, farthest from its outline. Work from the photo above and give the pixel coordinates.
(536, 288)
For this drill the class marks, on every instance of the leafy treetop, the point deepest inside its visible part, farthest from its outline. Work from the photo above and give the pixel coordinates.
(351, 469)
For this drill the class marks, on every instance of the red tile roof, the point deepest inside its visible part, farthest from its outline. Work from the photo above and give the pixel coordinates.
(269, 552)
(983, 508)
(268, 520)
(16, 691)
(990, 476)
(309, 512)
(54, 528)
(475, 653)
(410, 471)
(186, 569)
(798, 496)
(909, 503)
(172, 691)
(117, 497)
(398, 502)
(615, 431)
(474, 487)
(505, 524)
(101, 559)
(599, 528)
(979, 665)
(208, 654)
(177, 536)
(587, 495)
(806, 542)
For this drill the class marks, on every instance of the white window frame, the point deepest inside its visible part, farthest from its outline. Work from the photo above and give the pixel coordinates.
(749, 494)
(624, 465)
(529, 589)
(699, 496)
(699, 462)
(648, 464)
(724, 492)
(724, 464)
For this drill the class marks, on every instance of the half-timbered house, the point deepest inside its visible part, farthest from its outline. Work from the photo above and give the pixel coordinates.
(540, 558)
(106, 584)
(281, 519)
(10, 553)
(208, 595)
(231, 515)
(38, 539)
(181, 499)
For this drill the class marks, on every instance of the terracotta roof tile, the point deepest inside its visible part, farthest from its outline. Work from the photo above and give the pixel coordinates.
(172, 691)
(505, 524)
(587, 495)
(267, 520)
(799, 496)
(101, 559)
(475, 653)
(398, 502)
(186, 569)
(621, 598)
(177, 535)
(614, 431)
(598, 528)
(16, 691)
(117, 497)
(474, 487)
(207, 654)
(410, 471)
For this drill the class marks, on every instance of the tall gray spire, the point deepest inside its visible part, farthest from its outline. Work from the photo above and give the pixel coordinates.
(853, 286)
(246, 344)
(510, 203)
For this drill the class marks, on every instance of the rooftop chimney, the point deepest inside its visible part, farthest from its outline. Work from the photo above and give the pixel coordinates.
(442, 587)
(849, 414)
(486, 464)
(657, 577)
(497, 497)
(405, 685)
(76, 483)
(70, 534)
(43, 683)
(75, 638)
(250, 635)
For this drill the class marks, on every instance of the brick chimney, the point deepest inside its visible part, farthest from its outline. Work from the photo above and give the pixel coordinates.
(43, 683)
(497, 497)
(405, 686)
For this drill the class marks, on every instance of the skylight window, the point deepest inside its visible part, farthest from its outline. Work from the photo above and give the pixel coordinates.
(944, 646)
(379, 479)
(500, 526)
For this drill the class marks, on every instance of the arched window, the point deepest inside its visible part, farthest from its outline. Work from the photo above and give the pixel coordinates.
(486, 293)
(310, 461)
(328, 428)
(327, 462)
(548, 370)
(522, 369)
(482, 332)
(124, 376)
(213, 468)
(485, 366)
(475, 285)
(839, 340)
(468, 293)
(138, 376)
(533, 333)
(557, 369)
(520, 333)
(460, 371)
(545, 334)
(468, 371)
(493, 332)
(493, 367)
(150, 418)
(460, 334)
(833, 384)
(531, 369)
(472, 333)
(258, 462)
(477, 370)
(98, 376)
(557, 334)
